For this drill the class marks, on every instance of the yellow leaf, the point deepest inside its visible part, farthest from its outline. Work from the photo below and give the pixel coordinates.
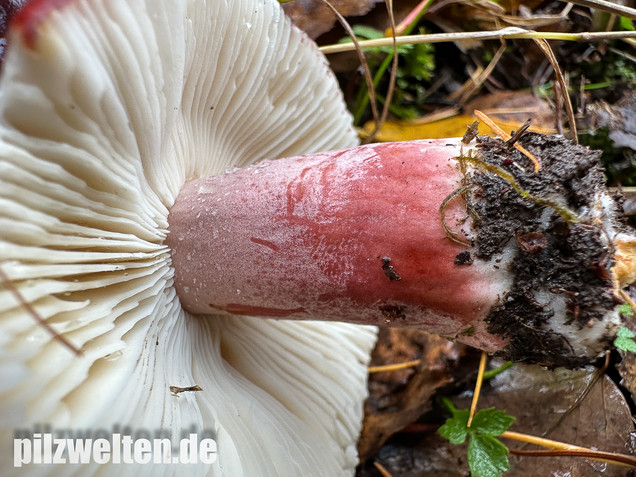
(448, 127)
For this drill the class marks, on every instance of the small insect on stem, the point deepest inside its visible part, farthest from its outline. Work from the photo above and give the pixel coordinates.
(176, 390)
(389, 270)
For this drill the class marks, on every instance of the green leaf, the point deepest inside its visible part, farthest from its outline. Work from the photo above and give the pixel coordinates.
(367, 32)
(455, 428)
(487, 457)
(491, 422)
(626, 309)
(626, 24)
(625, 340)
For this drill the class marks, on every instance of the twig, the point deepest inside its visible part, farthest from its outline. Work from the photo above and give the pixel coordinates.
(394, 367)
(480, 380)
(628, 299)
(609, 457)
(361, 57)
(508, 32)
(612, 7)
(547, 51)
(563, 447)
(380, 468)
(506, 137)
(391, 88)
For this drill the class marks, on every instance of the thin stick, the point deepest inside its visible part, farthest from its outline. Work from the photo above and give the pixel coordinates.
(41, 321)
(562, 446)
(505, 136)
(361, 57)
(391, 88)
(394, 367)
(380, 468)
(540, 441)
(508, 32)
(547, 51)
(480, 380)
(628, 299)
(610, 457)
(484, 75)
(612, 7)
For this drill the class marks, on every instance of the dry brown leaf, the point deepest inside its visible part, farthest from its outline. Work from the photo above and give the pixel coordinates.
(540, 401)
(315, 18)
(398, 398)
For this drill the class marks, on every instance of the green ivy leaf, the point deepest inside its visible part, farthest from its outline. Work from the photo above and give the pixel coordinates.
(455, 428)
(626, 309)
(487, 457)
(491, 422)
(625, 340)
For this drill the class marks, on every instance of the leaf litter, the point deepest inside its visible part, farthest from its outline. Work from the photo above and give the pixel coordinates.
(553, 404)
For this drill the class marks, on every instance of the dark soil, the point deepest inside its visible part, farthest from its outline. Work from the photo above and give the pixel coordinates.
(555, 255)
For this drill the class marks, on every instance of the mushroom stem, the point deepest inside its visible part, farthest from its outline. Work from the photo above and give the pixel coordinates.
(349, 236)
(357, 236)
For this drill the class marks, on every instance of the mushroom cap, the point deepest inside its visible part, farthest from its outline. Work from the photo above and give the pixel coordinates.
(107, 107)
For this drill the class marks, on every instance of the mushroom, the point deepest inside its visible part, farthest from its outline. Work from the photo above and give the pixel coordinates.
(125, 229)
(107, 107)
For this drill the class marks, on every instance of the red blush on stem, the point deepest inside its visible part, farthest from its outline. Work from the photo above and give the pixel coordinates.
(351, 235)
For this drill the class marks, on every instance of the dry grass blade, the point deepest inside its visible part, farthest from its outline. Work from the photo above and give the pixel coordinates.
(509, 32)
(547, 51)
(612, 7)
(389, 95)
(363, 60)
(27, 306)
(437, 115)
(480, 379)
(505, 136)
(536, 20)
(628, 299)
(394, 367)
(380, 468)
(562, 448)
(609, 457)
(465, 94)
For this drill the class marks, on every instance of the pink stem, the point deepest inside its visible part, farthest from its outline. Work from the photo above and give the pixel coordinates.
(352, 235)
